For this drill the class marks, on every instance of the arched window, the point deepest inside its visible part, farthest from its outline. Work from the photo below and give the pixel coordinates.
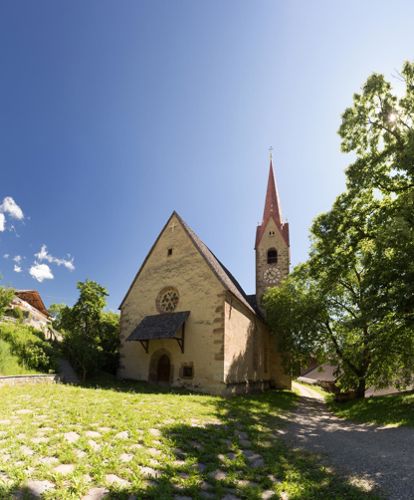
(272, 256)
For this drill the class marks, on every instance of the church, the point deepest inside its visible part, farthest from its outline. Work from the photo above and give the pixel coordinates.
(186, 321)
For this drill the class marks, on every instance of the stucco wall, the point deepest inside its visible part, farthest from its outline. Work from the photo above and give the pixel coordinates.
(200, 293)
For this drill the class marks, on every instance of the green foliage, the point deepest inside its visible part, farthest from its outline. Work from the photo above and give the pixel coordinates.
(109, 340)
(295, 311)
(6, 296)
(379, 129)
(91, 335)
(15, 313)
(353, 301)
(28, 347)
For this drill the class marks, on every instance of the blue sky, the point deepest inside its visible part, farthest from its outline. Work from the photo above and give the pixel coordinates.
(113, 114)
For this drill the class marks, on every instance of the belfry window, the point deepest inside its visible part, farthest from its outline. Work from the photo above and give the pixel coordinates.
(272, 256)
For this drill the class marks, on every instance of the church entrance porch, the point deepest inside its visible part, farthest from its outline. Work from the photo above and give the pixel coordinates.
(163, 369)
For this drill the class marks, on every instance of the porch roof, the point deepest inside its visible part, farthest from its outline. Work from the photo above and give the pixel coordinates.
(159, 326)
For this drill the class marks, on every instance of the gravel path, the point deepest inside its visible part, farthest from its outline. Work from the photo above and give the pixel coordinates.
(378, 456)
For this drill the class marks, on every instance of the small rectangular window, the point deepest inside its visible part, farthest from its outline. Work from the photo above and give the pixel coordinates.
(169, 252)
(187, 372)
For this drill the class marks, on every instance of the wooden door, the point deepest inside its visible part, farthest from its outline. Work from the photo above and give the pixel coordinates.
(163, 369)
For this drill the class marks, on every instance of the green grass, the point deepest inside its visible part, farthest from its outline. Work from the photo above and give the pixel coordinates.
(186, 438)
(9, 363)
(394, 410)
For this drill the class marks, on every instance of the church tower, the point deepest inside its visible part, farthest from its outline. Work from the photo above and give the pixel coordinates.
(272, 242)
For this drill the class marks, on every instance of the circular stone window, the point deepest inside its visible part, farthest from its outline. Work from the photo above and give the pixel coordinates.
(167, 299)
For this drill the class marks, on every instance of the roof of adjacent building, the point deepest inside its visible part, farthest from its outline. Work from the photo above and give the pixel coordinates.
(222, 273)
(159, 326)
(33, 298)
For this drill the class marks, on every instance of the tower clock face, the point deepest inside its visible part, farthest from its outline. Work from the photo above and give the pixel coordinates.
(272, 275)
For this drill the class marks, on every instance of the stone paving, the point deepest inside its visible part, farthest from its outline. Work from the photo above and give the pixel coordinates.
(37, 488)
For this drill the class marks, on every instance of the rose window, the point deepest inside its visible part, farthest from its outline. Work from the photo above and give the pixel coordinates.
(167, 300)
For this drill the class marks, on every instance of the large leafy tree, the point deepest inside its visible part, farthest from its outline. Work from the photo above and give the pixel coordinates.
(378, 129)
(353, 301)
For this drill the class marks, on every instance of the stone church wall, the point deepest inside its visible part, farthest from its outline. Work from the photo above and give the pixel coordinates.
(251, 358)
(200, 292)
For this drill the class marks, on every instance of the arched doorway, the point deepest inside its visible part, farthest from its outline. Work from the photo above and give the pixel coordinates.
(163, 369)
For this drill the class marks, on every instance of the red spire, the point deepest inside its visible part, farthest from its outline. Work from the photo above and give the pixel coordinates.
(272, 209)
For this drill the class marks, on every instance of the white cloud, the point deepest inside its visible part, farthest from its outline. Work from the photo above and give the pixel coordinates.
(6, 256)
(17, 269)
(2, 222)
(44, 255)
(9, 206)
(17, 259)
(40, 272)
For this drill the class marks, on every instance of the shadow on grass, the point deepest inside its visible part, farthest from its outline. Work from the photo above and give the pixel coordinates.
(394, 409)
(237, 453)
(111, 383)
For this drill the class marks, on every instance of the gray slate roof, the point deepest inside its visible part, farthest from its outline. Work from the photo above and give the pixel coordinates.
(159, 326)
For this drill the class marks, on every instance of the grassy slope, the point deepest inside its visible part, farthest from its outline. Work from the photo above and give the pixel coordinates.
(395, 410)
(194, 435)
(315, 388)
(10, 364)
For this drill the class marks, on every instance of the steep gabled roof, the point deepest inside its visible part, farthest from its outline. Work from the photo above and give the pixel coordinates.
(221, 272)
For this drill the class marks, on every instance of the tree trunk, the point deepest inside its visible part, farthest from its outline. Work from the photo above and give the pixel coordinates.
(360, 391)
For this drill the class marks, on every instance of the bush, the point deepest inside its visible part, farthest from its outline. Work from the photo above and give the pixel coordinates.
(15, 313)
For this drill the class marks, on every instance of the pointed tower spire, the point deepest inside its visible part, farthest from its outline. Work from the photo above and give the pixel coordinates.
(272, 206)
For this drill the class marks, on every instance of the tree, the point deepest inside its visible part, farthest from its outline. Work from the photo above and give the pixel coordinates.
(90, 335)
(109, 340)
(357, 289)
(378, 129)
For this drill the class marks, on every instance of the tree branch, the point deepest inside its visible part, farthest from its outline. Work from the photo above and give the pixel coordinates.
(339, 351)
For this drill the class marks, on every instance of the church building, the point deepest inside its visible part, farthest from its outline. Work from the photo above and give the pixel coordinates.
(186, 321)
